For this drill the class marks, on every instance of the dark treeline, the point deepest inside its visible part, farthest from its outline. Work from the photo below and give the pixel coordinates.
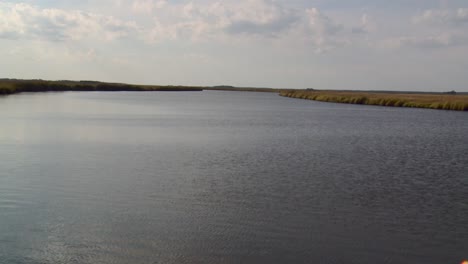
(242, 89)
(11, 86)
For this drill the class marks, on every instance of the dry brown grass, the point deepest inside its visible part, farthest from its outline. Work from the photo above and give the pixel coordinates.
(432, 101)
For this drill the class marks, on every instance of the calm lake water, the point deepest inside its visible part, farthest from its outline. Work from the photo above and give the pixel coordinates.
(226, 177)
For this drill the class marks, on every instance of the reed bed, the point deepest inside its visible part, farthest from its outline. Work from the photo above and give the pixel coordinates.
(18, 86)
(418, 100)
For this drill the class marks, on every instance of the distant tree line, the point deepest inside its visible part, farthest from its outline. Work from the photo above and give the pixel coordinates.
(9, 86)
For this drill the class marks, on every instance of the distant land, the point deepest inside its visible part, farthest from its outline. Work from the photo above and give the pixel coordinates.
(449, 100)
(12, 86)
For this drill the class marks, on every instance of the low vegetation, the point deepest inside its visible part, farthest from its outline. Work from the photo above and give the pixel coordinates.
(445, 101)
(11, 86)
(241, 89)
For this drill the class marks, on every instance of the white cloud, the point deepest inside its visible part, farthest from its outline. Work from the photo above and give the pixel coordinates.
(443, 17)
(260, 17)
(324, 31)
(322, 24)
(427, 42)
(31, 22)
(245, 20)
(263, 18)
(248, 20)
(366, 26)
(147, 6)
(435, 28)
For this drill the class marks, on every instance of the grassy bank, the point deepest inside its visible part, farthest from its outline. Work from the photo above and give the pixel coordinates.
(419, 100)
(9, 86)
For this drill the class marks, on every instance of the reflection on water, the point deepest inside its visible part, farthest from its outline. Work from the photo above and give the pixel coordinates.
(222, 177)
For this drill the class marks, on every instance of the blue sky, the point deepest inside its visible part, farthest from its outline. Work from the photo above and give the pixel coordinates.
(325, 44)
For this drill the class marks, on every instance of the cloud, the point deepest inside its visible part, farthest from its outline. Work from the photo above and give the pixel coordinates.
(147, 6)
(365, 27)
(322, 24)
(265, 18)
(437, 28)
(268, 28)
(18, 21)
(428, 42)
(324, 31)
(246, 20)
(456, 17)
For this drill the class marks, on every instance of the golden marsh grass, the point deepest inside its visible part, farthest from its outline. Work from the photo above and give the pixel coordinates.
(419, 100)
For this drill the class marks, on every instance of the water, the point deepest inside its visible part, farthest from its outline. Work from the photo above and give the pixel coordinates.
(224, 177)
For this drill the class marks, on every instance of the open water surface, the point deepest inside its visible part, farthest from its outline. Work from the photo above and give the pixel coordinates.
(228, 177)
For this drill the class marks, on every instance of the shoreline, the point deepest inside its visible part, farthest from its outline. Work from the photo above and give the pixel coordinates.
(440, 101)
(15, 86)
(9, 86)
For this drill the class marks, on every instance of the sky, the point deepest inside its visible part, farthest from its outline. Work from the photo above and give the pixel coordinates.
(418, 45)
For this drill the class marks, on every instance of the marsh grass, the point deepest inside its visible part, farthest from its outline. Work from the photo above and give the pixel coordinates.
(8, 86)
(432, 101)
